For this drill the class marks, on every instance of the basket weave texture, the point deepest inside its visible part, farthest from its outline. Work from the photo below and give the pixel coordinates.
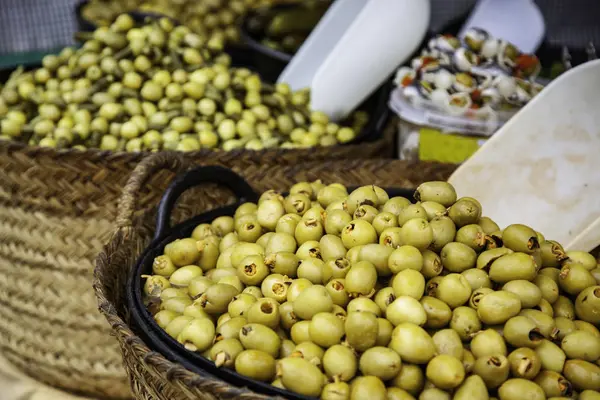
(57, 209)
(152, 376)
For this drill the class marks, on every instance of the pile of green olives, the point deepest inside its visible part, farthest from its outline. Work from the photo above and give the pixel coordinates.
(210, 18)
(157, 86)
(339, 295)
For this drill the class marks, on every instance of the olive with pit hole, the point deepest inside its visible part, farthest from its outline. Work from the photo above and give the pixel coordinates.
(582, 374)
(465, 211)
(357, 233)
(276, 286)
(520, 238)
(224, 352)
(198, 335)
(260, 337)
(487, 343)
(438, 313)
(574, 278)
(406, 309)
(524, 363)
(493, 369)
(554, 384)
(520, 331)
(587, 305)
(432, 264)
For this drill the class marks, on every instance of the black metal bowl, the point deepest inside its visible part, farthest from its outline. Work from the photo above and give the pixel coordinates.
(142, 321)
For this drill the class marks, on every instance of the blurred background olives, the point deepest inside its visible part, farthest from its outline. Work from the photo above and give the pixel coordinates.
(156, 85)
(350, 294)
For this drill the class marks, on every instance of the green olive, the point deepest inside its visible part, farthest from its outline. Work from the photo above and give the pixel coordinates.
(458, 257)
(331, 247)
(308, 230)
(378, 255)
(336, 269)
(493, 369)
(163, 266)
(311, 269)
(410, 379)
(176, 304)
(381, 362)
(582, 258)
(198, 335)
(280, 242)
(336, 391)
(260, 337)
(514, 389)
(587, 304)
(155, 285)
(311, 301)
(394, 393)
(472, 235)
(586, 326)
(217, 297)
(384, 332)
(520, 331)
(582, 374)
(589, 395)
(326, 329)
(364, 304)
(165, 317)
(438, 191)
(444, 231)
(361, 279)
(548, 287)
(198, 286)
(472, 388)
(417, 232)
(366, 212)
(176, 325)
(488, 225)
(552, 254)
(448, 342)
(563, 307)
(498, 307)
(433, 393)
(363, 195)
(488, 343)
(300, 332)
(335, 221)
(310, 249)
(240, 304)
(276, 286)
(454, 290)
(361, 330)
(543, 321)
(445, 372)
(283, 263)
(410, 212)
(383, 221)
(367, 387)
(581, 345)
(565, 326)
(512, 267)
(255, 364)
(264, 311)
(433, 209)
(340, 362)
(384, 297)
(438, 312)
(224, 352)
(409, 282)
(412, 343)
(405, 257)
(574, 278)
(406, 309)
(477, 278)
(554, 384)
(528, 292)
(287, 224)
(465, 211)
(432, 264)
(524, 363)
(391, 237)
(395, 205)
(357, 233)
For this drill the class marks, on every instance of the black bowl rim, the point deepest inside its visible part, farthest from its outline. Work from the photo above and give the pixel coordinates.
(157, 339)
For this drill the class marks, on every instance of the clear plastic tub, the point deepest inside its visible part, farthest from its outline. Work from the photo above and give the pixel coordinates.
(428, 133)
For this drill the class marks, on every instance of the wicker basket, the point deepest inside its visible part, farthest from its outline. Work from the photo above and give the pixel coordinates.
(152, 376)
(57, 208)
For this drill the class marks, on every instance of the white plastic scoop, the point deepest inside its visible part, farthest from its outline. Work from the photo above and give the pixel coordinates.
(519, 22)
(354, 48)
(542, 167)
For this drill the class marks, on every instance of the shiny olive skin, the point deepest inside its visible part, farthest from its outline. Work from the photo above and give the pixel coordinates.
(361, 330)
(409, 283)
(394, 393)
(524, 363)
(448, 342)
(512, 267)
(336, 391)
(326, 329)
(520, 331)
(458, 257)
(514, 389)
(454, 290)
(581, 345)
(473, 388)
(498, 307)
(586, 326)
(339, 362)
(438, 313)
(255, 364)
(551, 356)
(444, 231)
(477, 278)
(574, 278)
(417, 232)
(528, 292)
(311, 301)
(438, 191)
(548, 287)
(432, 264)
(554, 384)
(581, 257)
(494, 370)
(465, 211)
(381, 362)
(405, 257)
(582, 374)
(260, 337)
(412, 343)
(445, 372)
(488, 343)
(465, 322)
(300, 376)
(587, 305)
(370, 387)
(411, 378)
